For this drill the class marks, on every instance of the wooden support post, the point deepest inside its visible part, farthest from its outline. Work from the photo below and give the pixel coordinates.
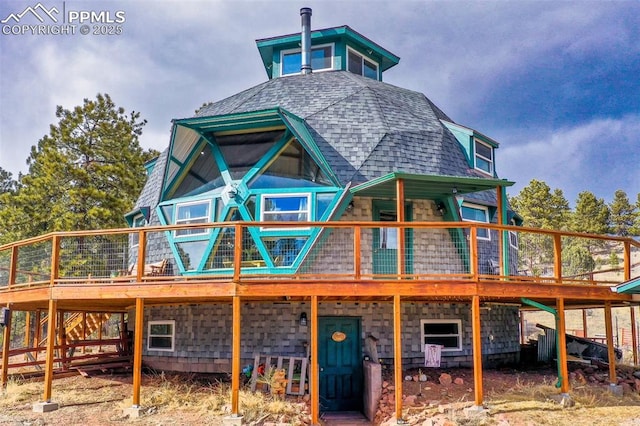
(634, 334)
(142, 248)
(235, 357)
(561, 331)
(51, 342)
(357, 253)
(27, 329)
(584, 323)
(473, 251)
(99, 331)
(62, 340)
(315, 367)
(627, 261)
(608, 324)
(38, 336)
(557, 257)
(137, 352)
(397, 353)
(6, 346)
(13, 262)
(401, 231)
(84, 330)
(237, 252)
(477, 350)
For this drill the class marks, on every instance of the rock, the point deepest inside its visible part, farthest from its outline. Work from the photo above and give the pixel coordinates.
(637, 385)
(445, 379)
(385, 384)
(636, 374)
(423, 377)
(410, 400)
(459, 381)
(408, 378)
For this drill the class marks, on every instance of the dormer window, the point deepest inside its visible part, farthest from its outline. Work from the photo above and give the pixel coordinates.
(483, 157)
(361, 65)
(321, 59)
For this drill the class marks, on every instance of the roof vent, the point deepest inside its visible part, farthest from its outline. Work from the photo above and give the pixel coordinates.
(305, 13)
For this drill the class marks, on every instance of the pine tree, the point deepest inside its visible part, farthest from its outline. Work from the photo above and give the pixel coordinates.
(591, 214)
(85, 174)
(623, 214)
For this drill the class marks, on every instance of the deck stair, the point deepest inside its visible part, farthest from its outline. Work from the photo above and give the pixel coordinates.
(74, 328)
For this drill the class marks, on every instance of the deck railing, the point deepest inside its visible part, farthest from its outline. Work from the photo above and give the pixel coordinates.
(342, 250)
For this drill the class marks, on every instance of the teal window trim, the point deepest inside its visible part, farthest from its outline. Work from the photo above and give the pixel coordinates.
(269, 156)
(170, 187)
(363, 59)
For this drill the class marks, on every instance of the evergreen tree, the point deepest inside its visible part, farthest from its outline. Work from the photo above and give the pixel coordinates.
(591, 214)
(85, 174)
(623, 214)
(539, 207)
(7, 184)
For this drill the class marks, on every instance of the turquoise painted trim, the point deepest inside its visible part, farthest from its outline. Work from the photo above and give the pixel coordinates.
(269, 48)
(555, 314)
(268, 157)
(170, 159)
(223, 122)
(299, 128)
(629, 287)
(505, 234)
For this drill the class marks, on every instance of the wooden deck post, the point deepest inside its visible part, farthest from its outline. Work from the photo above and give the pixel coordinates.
(314, 388)
(6, 345)
(51, 342)
(477, 351)
(562, 346)
(235, 357)
(38, 334)
(608, 324)
(634, 334)
(137, 352)
(584, 323)
(397, 353)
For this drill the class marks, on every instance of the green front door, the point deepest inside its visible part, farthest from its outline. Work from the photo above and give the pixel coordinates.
(340, 361)
(385, 240)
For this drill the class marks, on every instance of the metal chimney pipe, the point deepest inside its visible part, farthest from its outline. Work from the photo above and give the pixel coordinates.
(305, 14)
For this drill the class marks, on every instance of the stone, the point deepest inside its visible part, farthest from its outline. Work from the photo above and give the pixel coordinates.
(410, 400)
(563, 399)
(637, 385)
(445, 379)
(408, 378)
(459, 381)
(423, 377)
(616, 389)
(232, 420)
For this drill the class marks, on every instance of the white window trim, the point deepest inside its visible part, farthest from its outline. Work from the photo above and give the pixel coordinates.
(309, 212)
(318, 46)
(513, 235)
(192, 231)
(172, 336)
(363, 56)
(441, 321)
(135, 242)
(486, 215)
(488, 160)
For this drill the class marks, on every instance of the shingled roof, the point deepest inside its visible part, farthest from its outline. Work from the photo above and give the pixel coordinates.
(365, 128)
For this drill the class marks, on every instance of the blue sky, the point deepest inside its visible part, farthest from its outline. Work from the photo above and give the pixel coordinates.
(556, 83)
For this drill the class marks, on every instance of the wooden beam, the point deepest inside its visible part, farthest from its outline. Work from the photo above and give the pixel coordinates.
(397, 354)
(608, 325)
(237, 252)
(142, 248)
(584, 323)
(27, 329)
(357, 252)
(13, 266)
(627, 261)
(315, 367)
(235, 357)
(137, 351)
(477, 350)
(562, 343)
(51, 342)
(6, 346)
(473, 253)
(634, 334)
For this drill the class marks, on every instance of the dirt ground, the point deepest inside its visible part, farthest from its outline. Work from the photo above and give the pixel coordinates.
(511, 398)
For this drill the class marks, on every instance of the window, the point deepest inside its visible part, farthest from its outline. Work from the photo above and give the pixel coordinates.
(195, 212)
(474, 213)
(321, 59)
(138, 222)
(513, 236)
(361, 65)
(286, 208)
(447, 333)
(161, 335)
(484, 157)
